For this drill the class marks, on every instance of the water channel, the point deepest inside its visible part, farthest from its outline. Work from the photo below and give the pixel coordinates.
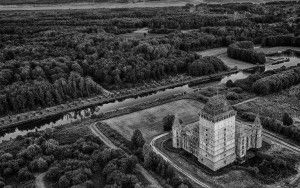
(87, 112)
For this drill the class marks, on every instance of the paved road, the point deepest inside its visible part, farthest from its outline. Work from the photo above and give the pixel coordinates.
(39, 181)
(139, 168)
(166, 158)
(267, 136)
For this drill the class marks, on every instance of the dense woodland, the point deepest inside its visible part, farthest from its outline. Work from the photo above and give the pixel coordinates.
(67, 164)
(281, 40)
(50, 57)
(244, 51)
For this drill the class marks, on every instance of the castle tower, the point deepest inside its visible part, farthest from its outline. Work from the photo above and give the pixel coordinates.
(217, 133)
(176, 132)
(258, 132)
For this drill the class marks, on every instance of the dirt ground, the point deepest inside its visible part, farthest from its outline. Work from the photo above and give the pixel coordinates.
(149, 121)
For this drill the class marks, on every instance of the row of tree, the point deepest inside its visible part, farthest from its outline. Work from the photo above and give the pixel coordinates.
(68, 164)
(30, 95)
(245, 51)
(206, 66)
(284, 127)
(281, 40)
(277, 82)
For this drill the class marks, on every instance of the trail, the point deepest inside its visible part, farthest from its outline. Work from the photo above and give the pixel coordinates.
(139, 168)
(39, 181)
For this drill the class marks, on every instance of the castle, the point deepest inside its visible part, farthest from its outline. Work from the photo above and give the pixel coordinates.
(217, 138)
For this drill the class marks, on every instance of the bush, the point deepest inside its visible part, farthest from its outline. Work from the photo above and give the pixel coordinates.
(137, 139)
(232, 96)
(237, 90)
(277, 82)
(38, 165)
(206, 65)
(24, 174)
(281, 40)
(244, 51)
(53, 174)
(230, 83)
(64, 182)
(2, 184)
(287, 120)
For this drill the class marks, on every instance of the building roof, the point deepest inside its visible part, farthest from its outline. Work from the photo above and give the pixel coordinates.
(217, 105)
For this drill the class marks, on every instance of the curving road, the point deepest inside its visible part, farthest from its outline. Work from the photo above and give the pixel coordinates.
(139, 168)
(267, 136)
(166, 158)
(39, 181)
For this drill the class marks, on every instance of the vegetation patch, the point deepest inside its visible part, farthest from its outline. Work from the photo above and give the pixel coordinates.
(244, 51)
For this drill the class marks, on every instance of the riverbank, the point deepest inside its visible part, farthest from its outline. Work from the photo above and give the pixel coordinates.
(9, 122)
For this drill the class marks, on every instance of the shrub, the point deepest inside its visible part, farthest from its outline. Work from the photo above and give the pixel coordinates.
(53, 174)
(6, 157)
(2, 184)
(24, 174)
(244, 51)
(237, 89)
(287, 120)
(230, 83)
(232, 96)
(277, 82)
(281, 40)
(64, 182)
(206, 65)
(38, 165)
(137, 139)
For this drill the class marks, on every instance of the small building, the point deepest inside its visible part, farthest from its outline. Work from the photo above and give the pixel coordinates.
(216, 138)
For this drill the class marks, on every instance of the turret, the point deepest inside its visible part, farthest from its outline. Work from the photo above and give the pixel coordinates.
(258, 131)
(176, 132)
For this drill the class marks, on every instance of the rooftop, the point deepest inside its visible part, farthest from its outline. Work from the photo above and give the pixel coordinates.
(216, 105)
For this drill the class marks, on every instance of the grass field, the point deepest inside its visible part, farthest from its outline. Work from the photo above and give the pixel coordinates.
(275, 105)
(149, 121)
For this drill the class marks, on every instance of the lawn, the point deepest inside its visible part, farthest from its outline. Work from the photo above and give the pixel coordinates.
(149, 121)
(274, 105)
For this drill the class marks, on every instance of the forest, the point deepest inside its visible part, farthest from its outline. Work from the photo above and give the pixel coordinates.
(50, 57)
(244, 51)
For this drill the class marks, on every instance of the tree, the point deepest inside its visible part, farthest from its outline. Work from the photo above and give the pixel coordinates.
(137, 139)
(64, 181)
(168, 122)
(287, 120)
(230, 83)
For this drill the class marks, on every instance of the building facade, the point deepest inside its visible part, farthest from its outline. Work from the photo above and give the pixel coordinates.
(216, 138)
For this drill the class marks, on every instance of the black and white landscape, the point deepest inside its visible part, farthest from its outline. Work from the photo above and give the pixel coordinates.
(140, 94)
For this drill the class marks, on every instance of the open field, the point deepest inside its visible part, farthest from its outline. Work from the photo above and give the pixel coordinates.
(275, 105)
(149, 120)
